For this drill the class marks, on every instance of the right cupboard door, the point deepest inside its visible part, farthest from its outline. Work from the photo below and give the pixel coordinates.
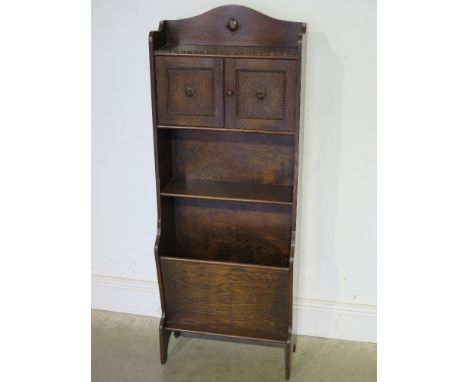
(260, 94)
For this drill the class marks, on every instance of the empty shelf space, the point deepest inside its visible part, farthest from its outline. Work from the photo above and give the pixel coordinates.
(244, 192)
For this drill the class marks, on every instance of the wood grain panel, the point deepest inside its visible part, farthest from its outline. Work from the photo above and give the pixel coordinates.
(190, 91)
(263, 94)
(233, 231)
(216, 190)
(226, 299)
(255, 29)
(235, 157)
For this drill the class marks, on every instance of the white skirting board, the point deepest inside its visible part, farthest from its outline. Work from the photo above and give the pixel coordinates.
(318, 318)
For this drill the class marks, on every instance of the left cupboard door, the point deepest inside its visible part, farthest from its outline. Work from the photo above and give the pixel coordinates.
(190, 91)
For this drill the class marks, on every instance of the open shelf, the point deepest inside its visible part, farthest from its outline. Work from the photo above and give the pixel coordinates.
(257, 159)
(221, 231)
(217, 190)
(226, 197)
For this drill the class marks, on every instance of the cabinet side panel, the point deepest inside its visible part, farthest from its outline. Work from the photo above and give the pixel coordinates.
(155, 40)
(164, 156)
(297, 194)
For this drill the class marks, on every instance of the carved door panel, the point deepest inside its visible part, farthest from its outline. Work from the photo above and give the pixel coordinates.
(190, 91)
(260, 94)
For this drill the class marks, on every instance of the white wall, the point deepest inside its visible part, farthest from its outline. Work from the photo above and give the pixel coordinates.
(337, 291)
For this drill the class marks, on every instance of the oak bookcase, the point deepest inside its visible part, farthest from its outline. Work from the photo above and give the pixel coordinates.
(226, 101)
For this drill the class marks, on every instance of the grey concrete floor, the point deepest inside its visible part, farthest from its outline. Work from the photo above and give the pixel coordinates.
(125, 348)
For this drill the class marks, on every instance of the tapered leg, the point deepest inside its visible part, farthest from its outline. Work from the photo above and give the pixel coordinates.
(288, 350)
(288, 355)
(164, 336)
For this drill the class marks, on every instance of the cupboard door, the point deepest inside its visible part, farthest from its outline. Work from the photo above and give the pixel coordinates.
(189, 91)
(260, 94)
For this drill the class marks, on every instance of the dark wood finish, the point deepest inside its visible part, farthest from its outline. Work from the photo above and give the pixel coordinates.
(230, 338)
(227, 299)
(232, 231)
(164, 336)
(190, 90)
(199, 128)
(299, 126)
(255, 29)
(287, 53)
(244, 158)
(226, 95)
(155, 39)
(263, 94)
(216, 190)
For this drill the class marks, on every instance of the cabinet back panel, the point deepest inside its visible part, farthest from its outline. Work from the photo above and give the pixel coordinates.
(232, 231)
(234, 157)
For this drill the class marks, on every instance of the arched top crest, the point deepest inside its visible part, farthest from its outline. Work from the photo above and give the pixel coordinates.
(233, 25)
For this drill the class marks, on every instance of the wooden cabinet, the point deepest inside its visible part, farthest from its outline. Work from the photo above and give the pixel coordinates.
(226, 96)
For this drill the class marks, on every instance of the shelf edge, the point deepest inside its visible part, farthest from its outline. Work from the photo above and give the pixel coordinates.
(226, 130)
(229, 199)
(217, 336)
(226, 263)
